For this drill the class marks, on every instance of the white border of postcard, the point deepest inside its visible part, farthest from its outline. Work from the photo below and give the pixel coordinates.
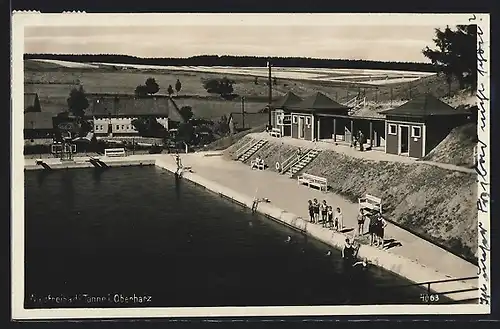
(20, 20)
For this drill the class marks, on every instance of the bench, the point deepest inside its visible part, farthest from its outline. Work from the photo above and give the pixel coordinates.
(259, 166)
(118, 152)
(310, 180)
(275, 132)
(370, 202)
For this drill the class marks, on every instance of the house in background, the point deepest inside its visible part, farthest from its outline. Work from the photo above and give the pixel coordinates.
(416, 127)
(31, 103)
(112, 115)
(38, 125)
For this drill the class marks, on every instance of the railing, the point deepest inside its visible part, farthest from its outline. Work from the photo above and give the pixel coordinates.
(245, 147)
(285, 165)
(430, 296)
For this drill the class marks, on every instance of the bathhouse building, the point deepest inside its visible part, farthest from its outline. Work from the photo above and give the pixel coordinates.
(416, 127)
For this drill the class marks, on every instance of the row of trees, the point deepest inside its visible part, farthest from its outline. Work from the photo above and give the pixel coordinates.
(241, 61)
(151, 87)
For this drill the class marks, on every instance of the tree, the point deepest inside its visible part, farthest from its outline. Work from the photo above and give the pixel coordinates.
(186, 112)
(185, 133)
(151, 86)
(223, 87)
(149, 127)
(141, 91)
(77, 102)
(178, 86)
(455, 55)
(222, 126)
(170, 90)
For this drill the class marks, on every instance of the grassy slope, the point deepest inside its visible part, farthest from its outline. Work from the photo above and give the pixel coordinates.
(457, 148)
(433, 202)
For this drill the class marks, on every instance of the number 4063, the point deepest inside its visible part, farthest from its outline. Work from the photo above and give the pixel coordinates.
(433, 298)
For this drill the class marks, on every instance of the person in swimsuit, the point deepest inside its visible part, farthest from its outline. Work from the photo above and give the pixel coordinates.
(372, 229)
(324, 209)
(330, 217)
(361, 221)
(316, 210)
(348, 253)
(311, 211)
(381, 224)
(339, 219)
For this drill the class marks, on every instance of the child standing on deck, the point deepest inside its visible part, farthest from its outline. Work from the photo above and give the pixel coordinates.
(339, 220)
(361, 221)
(316, 210)
(311, 211)
(324, 209)
(330, 217)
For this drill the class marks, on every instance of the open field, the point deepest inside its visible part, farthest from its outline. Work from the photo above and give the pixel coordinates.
(342, 75)
(53, 82)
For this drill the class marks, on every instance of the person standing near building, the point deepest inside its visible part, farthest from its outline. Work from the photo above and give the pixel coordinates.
(361, 139)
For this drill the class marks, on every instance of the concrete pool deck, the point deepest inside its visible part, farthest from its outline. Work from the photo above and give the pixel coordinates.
(415, 259)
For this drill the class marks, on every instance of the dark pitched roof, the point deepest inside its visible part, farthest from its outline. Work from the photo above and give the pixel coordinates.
(424, 105)
(38, 120)
(287, 100)
(113, 105)
(319, 102)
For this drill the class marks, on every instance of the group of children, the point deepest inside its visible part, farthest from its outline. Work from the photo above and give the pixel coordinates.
(322, 213)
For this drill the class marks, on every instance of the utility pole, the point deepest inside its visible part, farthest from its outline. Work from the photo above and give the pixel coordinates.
(270, 91)
(243, 111)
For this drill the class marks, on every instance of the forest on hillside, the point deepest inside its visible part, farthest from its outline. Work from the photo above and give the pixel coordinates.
(241, 61)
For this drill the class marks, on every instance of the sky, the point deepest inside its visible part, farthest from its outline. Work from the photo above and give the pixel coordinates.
(384, 43)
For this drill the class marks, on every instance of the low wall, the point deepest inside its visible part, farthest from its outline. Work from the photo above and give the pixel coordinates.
(401, 266)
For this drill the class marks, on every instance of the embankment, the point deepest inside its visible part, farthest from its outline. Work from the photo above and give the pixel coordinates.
(432, 202)
(457, 148)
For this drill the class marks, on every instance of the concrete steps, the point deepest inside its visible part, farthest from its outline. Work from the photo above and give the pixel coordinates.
(252, 150)
(303, 162)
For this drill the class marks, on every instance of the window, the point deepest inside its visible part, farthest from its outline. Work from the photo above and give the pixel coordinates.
(128, 127)
(123, 127)
(393, 129)
(294, 119)
(308, 121)
(280, 119)
(117, 127)
(416, 132)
